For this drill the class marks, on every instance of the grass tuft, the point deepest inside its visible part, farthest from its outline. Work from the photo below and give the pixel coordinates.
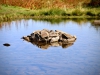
(77, 12)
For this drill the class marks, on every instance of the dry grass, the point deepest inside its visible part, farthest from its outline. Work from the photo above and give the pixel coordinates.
(38, 4)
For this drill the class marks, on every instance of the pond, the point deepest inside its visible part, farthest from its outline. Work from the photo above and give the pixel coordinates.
(24, 58)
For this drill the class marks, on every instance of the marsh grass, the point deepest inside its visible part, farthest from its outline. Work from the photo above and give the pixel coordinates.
(39, 4)
(13, 12)
(53, 12)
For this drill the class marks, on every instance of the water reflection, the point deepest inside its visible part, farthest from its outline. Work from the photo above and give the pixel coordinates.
(97, 27)
(23, 58)
(44, 45)
(59, 20)
(17, 23)
(55, 21)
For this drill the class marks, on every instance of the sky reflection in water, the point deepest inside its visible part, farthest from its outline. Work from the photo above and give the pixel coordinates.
(24, 58)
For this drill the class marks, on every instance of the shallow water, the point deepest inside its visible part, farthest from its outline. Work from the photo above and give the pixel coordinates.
(24, 58)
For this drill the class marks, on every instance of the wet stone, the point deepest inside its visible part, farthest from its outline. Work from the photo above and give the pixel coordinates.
(46, 38)
(6, 44)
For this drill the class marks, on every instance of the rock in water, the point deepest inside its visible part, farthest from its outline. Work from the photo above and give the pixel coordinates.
(54, 39)
(50, 36)
(6, 44)
(26, 38)
(96, 22)
(44, 34)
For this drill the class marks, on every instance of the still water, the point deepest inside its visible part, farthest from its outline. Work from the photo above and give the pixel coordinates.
(24, 58)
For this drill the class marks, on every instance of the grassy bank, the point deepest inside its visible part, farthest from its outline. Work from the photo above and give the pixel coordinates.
(13, 12)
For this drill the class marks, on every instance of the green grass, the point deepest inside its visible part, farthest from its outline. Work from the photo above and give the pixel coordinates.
(11, 12)
(14, 12)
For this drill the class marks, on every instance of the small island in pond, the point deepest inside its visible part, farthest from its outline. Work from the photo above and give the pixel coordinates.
(46, 38)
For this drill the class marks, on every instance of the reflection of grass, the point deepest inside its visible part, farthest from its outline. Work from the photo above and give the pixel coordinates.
(13, 12)
(53, 21)
(57, 21)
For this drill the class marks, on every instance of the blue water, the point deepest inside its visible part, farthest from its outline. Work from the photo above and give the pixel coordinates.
(24, 58)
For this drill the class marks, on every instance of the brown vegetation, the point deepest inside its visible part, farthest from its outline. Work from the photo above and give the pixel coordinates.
(38, 4)
(94, 3)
